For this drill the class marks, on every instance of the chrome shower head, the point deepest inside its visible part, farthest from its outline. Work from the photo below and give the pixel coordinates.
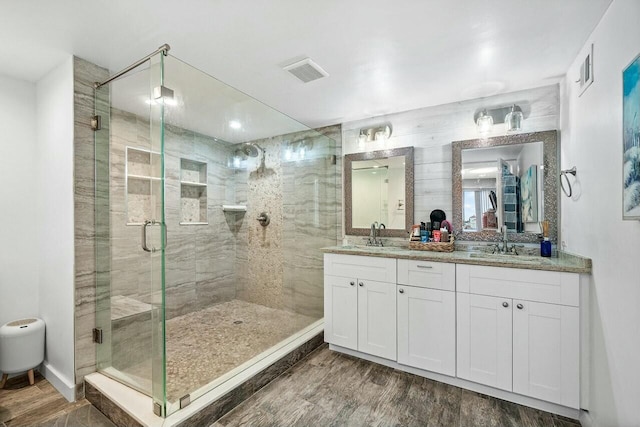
(251, 149)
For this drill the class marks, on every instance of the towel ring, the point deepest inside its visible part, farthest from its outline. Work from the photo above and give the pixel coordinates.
(564, 173)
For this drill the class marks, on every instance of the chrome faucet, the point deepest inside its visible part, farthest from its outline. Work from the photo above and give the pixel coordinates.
(503, 247)
(373, 236)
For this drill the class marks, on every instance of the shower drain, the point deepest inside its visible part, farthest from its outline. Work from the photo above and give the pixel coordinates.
(237, 322)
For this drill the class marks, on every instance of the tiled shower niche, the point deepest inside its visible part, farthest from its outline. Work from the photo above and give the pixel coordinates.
(143, 185)
(193, 192)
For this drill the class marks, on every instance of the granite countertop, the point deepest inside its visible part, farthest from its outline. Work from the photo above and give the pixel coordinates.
(565, 262)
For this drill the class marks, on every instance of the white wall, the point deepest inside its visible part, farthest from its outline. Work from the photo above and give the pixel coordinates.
(592, 220)
(431, 130)
(54, 164)
(18, 220)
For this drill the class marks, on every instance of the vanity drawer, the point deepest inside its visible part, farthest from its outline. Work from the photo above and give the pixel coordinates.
(427, 274)
(531, 285)
(361, 267)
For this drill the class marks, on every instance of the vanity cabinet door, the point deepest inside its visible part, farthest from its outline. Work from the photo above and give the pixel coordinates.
(427, 329)
(546, 351)
(341, 311)
(485, 340)
(377, 318)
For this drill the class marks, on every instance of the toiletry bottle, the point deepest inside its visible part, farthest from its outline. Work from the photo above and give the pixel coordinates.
(545, 247)
(415, 232)
(436, 235)
(444, 235)
(545, 244)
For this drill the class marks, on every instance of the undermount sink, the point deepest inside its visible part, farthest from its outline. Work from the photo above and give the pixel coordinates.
(509, 257)
(372, 248)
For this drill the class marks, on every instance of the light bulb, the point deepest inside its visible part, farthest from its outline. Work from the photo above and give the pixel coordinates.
(513, 120)
(484, 122)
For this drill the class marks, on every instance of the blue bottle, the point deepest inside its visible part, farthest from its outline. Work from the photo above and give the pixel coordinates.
(545, 247)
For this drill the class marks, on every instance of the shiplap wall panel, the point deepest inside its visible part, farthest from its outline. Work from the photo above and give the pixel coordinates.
(431, 130)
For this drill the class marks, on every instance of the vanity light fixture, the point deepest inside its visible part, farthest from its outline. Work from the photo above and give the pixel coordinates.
(512, 116)
(484, 122)
(513, 119)
(379, 133)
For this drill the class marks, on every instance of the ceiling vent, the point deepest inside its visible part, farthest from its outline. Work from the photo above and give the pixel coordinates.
(306, 70)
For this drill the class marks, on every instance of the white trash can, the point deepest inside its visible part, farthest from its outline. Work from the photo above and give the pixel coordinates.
(21, 347)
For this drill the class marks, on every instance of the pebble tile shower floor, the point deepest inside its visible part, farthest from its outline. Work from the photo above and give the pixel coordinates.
(205, 344)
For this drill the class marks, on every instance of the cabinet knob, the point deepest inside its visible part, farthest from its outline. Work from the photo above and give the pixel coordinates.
(520, 306)
(360, 284)
(401, 291)
(352, 283)
(505, 304)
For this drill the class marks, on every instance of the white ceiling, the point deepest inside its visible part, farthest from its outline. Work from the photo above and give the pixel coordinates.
(201, 103)
(382, 56)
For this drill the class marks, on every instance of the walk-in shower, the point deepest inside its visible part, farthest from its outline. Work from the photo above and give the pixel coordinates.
(190, 294)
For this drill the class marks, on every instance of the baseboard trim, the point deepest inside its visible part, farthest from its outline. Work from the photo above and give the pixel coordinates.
(66, 388)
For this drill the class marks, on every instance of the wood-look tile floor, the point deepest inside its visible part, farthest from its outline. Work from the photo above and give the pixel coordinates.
(42, 405)
(332, 389)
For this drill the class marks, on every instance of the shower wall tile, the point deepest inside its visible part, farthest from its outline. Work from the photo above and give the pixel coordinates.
(310, 225)
(179, 142)
(180, 299)
(125, 273)
(263, 275)
(172, 170)
(85, 74)
(132, 337)
(125, 128)
(215, 291)
(199, 258)
(282, 266)
(180, 256)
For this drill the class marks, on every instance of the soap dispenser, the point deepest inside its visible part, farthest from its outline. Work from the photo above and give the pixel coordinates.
(545, 244)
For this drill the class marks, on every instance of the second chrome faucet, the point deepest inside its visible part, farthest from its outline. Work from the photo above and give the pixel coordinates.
(374, 239)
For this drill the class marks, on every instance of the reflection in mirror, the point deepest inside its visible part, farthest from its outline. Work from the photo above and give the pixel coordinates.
(509, 180)
(501, 186)
(378, 192)
(379, 188)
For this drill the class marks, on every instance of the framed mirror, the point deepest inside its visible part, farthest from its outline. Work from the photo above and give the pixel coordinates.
(508, 180)
(378, 187)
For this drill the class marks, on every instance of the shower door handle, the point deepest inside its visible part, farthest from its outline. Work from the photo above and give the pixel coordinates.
(164, 229)
(144, 236)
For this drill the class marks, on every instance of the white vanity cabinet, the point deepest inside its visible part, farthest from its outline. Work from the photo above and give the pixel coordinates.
(519, 330)
(426, 316)
(360, 303)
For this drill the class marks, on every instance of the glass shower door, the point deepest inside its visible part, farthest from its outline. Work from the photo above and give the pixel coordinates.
(130, 232)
